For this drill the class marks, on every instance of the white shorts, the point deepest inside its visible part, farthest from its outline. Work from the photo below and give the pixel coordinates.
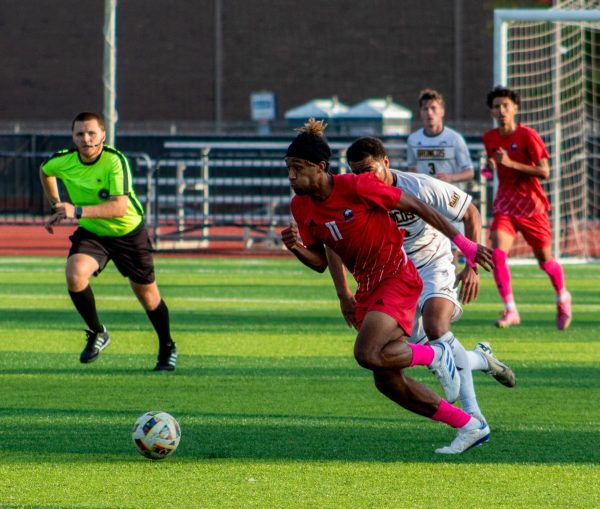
(439, 280)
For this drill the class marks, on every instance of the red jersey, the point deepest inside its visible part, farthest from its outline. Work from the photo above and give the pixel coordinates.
(354, 222)
(519, 194)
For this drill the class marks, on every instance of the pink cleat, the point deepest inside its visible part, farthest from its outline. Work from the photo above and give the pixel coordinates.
(563, 311)
(509, 317)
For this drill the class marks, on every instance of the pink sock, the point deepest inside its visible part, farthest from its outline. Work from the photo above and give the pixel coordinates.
(556, 274)
(502, 275)
(422, 355)
(451, 415)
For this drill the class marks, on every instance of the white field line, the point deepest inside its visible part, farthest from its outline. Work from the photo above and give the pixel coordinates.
(118, 298)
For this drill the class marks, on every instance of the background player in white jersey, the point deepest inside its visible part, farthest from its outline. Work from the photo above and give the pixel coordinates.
(439, 303)
(435, 149)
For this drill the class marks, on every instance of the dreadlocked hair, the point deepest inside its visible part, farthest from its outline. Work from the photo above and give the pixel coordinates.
(310, 144)
(313, 126)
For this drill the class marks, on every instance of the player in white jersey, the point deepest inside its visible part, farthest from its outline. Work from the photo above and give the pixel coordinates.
(430, 251)
(435, 149)
(439, 304)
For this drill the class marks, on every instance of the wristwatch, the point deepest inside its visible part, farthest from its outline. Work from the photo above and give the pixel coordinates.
(78, 212)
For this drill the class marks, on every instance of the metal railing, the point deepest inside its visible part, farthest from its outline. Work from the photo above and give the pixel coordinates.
(200, 195)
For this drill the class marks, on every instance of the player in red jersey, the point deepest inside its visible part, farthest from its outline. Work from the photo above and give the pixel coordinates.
(518, 155)
(349, 214)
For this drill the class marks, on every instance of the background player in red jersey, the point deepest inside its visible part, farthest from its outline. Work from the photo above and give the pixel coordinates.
(519, 156)
(349, 214)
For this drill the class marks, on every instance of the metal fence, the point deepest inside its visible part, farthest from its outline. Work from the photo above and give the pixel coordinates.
(197, 194)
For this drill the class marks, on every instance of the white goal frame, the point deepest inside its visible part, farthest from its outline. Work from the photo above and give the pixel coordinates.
(502, 20)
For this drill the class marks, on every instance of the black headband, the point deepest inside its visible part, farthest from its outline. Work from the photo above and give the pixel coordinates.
(309, 147)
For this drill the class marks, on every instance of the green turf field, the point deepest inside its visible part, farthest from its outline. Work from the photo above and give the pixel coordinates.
(273, 409)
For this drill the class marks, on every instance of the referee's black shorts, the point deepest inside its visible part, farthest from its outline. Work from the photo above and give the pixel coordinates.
(131, 253)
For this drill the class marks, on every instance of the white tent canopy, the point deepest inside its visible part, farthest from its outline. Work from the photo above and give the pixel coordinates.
(374, 116)
(317, 108)
(377, 109)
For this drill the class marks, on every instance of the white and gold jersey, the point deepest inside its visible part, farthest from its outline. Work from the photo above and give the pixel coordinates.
(423, 243)
(446, 152)
(428, 248)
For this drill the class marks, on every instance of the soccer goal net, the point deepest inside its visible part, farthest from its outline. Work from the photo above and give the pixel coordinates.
(552, 58)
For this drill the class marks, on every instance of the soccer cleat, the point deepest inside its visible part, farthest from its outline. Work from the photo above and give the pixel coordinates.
(563, 312)
(509, 317)
(466, 439)
(497, 369)
(479, 417)
(96, 342)
(446, 372)
(167, 358)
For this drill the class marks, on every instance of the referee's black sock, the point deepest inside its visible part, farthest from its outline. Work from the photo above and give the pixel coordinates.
(85, 303)
(160, 321)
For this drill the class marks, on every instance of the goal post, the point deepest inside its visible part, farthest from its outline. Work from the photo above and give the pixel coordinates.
(551, 57)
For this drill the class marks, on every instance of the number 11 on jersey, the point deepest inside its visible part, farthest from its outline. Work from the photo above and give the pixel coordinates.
(334, 230)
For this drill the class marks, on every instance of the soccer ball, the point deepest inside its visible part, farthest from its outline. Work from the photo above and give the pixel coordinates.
(156, 435)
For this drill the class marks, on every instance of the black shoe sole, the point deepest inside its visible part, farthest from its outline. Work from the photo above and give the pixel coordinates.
(158, 367)
(90, 360)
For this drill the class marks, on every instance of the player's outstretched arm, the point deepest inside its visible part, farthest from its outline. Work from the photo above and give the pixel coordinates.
(312, 256)
(453, 178)
(338, 274)
(468, 278)
(50, 188)
(116, 206)
(474, 253)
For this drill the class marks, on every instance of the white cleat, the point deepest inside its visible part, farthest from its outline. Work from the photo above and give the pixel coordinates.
(479, 417)
(496, 368)
(446, 372)
(467, 439)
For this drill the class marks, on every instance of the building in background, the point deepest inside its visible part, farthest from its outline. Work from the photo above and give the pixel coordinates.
(192, 65)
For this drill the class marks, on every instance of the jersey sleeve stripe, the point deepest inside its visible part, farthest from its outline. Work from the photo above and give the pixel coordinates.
(125, 168)
(60, 153)
(461, 213)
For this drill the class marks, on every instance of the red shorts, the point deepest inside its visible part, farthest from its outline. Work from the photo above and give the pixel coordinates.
(396, 296)
(535, 229)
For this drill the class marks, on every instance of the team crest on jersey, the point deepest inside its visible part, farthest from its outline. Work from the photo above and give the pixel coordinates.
(513, 147)
(348, 215)
(104, 194)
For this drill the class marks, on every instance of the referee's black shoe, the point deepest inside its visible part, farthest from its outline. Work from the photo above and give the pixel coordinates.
(96, 342)
(167, 357)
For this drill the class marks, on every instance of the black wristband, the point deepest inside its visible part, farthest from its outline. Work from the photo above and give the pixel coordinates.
(78, 212)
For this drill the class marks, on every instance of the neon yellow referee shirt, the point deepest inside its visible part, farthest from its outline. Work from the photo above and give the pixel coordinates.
(94, 183)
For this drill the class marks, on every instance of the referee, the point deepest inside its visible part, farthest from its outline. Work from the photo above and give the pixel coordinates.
(111, 227)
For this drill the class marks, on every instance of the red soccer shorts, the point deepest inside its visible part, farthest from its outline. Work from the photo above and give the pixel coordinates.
(535, 229)
(395, 296)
